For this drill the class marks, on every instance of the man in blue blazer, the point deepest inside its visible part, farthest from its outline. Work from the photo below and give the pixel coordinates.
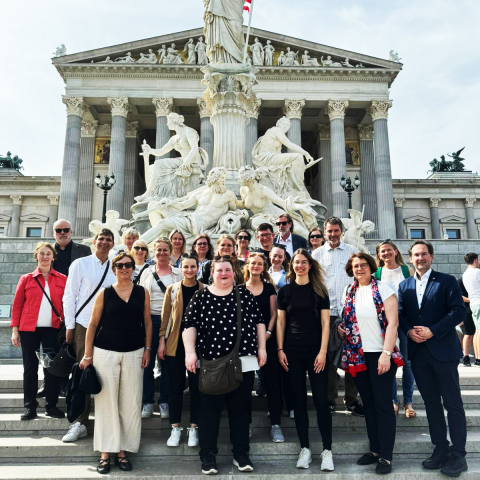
(430, 307)
(286, 236)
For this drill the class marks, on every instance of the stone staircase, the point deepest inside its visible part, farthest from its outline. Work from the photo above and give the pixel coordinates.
(34, 449)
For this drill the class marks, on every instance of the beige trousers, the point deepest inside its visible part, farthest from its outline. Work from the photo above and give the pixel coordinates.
(118, 407)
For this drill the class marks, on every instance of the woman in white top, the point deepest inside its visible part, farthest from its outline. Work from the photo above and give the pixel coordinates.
(369, 330)
(156, 279)
(392, 270)
(141, 255)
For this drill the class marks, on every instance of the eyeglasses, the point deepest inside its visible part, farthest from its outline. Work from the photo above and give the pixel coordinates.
(143, 249)
(242, 237)
(62, 230)
(126, 265)
(219, 258)
(201, 244)
(266, 235)
(316, 236)
(360, 266)
(281, 223)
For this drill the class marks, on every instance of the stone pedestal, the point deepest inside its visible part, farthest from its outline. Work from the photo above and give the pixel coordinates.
(206, 131)
(399, 218)
(14, 230)
(163, 106)
(252, 127)
(293, 111)
(325, 167)
(367, 173)
(472, 231)
(436, 230)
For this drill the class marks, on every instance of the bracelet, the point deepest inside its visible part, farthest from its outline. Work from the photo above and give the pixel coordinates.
(87, 358)
(269, 332)
(147, 348)
(279, 350)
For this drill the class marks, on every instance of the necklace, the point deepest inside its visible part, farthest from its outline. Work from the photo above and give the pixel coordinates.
(124, 289)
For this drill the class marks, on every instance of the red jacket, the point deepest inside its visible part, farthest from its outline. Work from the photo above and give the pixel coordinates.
(28, 298)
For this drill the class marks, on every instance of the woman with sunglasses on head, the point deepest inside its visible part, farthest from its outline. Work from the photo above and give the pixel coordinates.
(303, 329)
(141, 255)
(279, 268)
(315, 239)
(393, 270)
(171, 349)
(118, 344)
(225, 248)
(156, 279)
(202, 247)
(242, 241)
(179, 246)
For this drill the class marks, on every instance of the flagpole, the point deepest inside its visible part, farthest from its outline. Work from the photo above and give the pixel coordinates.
(248, 33)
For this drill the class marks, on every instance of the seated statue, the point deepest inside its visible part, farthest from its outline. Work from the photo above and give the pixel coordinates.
(172, 57)
(174, 177)
(213, 201)
(126, 59)
(308, 61)
(290, 59)
(356, 229)
(328, 62)
(149, 57)
(107, 60)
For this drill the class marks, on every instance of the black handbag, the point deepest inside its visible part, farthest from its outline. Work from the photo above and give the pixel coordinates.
(224, 374)
(59, 364)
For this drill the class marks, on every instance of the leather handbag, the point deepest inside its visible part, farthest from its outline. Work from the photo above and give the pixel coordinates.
(224, 374)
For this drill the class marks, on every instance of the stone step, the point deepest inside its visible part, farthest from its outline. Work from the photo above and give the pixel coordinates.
(264, 468)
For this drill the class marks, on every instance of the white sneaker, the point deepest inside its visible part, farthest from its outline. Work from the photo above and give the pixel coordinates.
(305, 458)
(193, 437)
(327, 461)
(174, 440)
(277, 434)
(76, 431)
(147, 410)
(291, 414)
(164, 411)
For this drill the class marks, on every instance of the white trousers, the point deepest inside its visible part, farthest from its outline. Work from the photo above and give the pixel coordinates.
(118, 407)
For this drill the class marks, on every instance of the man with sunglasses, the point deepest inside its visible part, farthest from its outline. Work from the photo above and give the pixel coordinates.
(286, 236)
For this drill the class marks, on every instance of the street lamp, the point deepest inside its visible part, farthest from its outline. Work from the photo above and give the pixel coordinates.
(350, 187)
(106, 186)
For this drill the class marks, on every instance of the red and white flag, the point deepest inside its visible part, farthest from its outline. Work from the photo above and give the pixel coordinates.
(247, 5)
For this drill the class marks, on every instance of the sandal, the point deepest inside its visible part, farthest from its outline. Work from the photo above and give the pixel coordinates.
(103, 466)
(395, 408)
(409, 411)
(123, 463)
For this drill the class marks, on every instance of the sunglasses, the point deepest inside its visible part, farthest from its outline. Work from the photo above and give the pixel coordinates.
(242, 237)
(62, 230)
(201, 244)
(126, 265)
(316, 236)
(281, 223)
(143, 249)
(218, 258)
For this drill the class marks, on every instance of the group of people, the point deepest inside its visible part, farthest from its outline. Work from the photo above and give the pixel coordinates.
(288, 308)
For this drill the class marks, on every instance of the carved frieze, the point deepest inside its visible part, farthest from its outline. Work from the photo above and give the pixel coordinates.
(104, 130)
(119, 106)
(163, 106)
(365, 132)
(89, 128)
(351, 134)
(293, 108)
(379, 109)
(336, 109)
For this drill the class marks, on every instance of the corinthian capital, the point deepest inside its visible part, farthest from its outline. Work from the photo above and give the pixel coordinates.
(470, 201)
(323, 131)
(379, 109)
(336, 109)
(253, 107)
(203, 108)
(163, 106)
(17, 199)
(89, 129)
(132, 129)
(399, 201)
(434, 202)
(365, 132)
(293, 108)
(119, 106)
(75, 105)
(53, 199)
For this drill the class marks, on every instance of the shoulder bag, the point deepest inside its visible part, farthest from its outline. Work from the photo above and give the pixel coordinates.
(224, 374)
(95, 291)
(137, 278)
(162, 286)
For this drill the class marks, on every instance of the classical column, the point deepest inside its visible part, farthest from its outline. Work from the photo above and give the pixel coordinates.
(383, 170)
(325, 186)
(120, 109)
(367, 173)
(14, 229)
(336, 113)
(436, 232)
(52, 215)
(206, 131)
(85, 180)
(293, 111)
(399, 217)
(131, 156)
(472, 231)
(163, 107)
(252, 128)
(71, 159)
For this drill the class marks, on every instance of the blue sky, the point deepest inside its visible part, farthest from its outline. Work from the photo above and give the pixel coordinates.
(436, 96)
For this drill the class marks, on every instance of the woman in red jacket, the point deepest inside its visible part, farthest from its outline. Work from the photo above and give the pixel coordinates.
(35, 322)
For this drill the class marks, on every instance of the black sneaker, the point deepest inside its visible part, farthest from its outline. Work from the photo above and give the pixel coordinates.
(466, 361)
(477, 363)
(243, 463)
(383, 467)
(54, 412)
(29, 414)
(454, 466)
(261, 391)
(438, 459)
(355, 409)
(332, 406)
(209, 464)
(367, 459)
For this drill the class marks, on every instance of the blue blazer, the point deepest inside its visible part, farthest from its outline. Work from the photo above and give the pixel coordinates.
(442, 310)
(297, 241)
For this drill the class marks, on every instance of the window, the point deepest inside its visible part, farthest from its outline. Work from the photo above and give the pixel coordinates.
(34, 232)
(417, 233)
(453, 233)
(2, 231)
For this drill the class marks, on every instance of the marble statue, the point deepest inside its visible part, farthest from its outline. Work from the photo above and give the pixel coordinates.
(201, 50)
(113, 222)
(190, 48)
(213, 201)
(290, 59)
(281, 59)
(356, 228)
(60, 51)
(347, 63)
(328, 62)
(258, 55)
(162, 53)
(126, 59)
(174, 177)
(269, 49)
(267, 206)
(285, 170)
(172, 57)
(107, 60)
(359, 65)
(149, 57)
(394, 57)
(308, 61)
(223, 30)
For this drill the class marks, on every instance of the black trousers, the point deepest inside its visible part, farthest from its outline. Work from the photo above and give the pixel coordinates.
(30, 341)
(301, 360)
(439, 381)
(176, 373)
(211, 407)
(273, 381)
(376, 393)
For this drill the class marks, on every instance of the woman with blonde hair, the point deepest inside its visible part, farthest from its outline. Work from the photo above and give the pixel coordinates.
(129, 237)
(179, 246)
(141, 254)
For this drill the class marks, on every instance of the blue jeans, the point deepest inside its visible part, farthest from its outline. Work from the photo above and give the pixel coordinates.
(407, 375)
(148, 378)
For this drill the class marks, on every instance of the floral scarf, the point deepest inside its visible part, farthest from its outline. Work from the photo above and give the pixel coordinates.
(353, 358)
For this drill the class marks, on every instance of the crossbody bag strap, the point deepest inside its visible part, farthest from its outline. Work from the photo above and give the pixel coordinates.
(162, 286)
(49, 301)
(239, 321)
(102, 318)
(137, 278)
(95, 291)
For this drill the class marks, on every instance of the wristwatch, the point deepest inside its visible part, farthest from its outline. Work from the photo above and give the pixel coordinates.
(147, 348)
(269, 332)
(387, 352)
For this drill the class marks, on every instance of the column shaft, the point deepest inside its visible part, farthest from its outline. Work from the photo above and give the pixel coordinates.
(163, 135)
(326, 175)
(206, 140)
(367, 177)
(472, 231)
(52, 218)
(251, 138)
(117, 164)
(14, 229)
(295, 132)
(436, 233)
(338, 167)
(85, 185)
(130, 168)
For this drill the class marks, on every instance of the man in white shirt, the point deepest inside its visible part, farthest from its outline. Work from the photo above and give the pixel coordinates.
(471, 282)
(85, 275)
(286, 236)
(333, 256)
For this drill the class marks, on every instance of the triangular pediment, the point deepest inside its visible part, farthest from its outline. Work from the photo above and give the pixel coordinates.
(453, 219)
(34, 217)
(417, 219)
(4, 218)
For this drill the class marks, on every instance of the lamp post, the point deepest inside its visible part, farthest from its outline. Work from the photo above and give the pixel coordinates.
(350, 187)
(106, 186)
